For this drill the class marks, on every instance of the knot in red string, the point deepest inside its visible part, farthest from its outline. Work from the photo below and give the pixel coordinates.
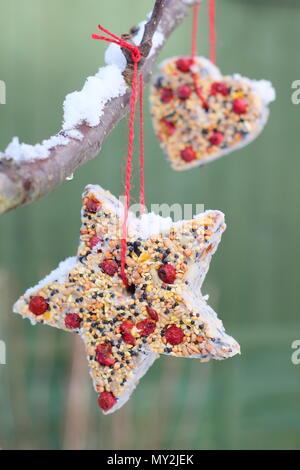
(135, 50)
(135, 53)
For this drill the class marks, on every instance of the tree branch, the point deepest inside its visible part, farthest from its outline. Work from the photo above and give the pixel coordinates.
(25, 182)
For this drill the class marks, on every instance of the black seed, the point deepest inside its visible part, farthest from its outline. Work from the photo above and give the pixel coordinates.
(131, 289)
(159, 83)
(136, 249)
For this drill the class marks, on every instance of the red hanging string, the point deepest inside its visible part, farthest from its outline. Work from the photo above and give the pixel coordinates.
(195, 30)
(212, 30)
(142, 147)
(194, 54)
(136, 57)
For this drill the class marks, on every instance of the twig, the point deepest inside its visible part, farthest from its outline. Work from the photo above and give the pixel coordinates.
(152, 26)
(146, 43)
(25, 182)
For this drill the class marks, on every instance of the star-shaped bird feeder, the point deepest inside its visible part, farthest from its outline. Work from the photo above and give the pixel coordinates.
(162, 311)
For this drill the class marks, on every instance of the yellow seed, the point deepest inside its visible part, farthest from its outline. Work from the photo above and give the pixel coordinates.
(144, 257)
(238, 94)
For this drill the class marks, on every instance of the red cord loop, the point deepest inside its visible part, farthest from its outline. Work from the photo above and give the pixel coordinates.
(136, 57)
(194, 55)
(142, 147)
(212, 30)
(195, 30)
(135, 50)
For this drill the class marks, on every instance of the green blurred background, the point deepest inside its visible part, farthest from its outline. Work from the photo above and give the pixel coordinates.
(252, 401)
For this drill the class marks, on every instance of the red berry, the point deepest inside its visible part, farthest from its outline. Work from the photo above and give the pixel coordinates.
(106, 400)
(128, 338)
(239, 106)
(72, 320)
(174, 335)
(152, 313)
(184, 64)
(188, 154)
(167, 273)
(38, 305)
(92, 204)
(93, 241)
(104, 354)
(126, 327)
(109, 266)
(146, 326)
(184, 92)
(166, 95)
(170, 128)
(219, 87)
(216, 138)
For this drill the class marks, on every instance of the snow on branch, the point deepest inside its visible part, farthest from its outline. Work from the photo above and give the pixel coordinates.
(29, 172)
